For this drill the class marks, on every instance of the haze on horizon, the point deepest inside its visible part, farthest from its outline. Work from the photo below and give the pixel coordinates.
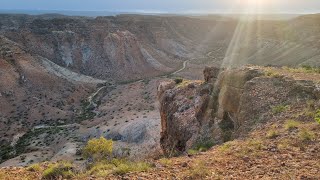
(168, 6)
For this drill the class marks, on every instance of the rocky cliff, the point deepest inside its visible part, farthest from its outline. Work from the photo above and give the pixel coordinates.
(227, 105)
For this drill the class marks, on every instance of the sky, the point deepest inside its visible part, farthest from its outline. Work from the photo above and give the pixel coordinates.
(168, 6)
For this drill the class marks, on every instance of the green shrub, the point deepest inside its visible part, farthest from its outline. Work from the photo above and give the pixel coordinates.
(193, 151)
(127, 167)
(98, 149)
(272, 74)
(201, 147)
(272, 134)
(166, 161)
(306, 135)
(307, 67)
(291, 124)
(317, 116)
(54, 171)
(117, 166)
(34, 168)
(279, 109)
(310, 69)
(225, 147)
(198, 171)
(178, 80)
(101, 169)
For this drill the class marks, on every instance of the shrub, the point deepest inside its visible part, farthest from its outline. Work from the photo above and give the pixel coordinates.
(126, 167)
(317, 116)
(306, 135)
(272, 134)
(250, 147)
(272, 74)
(54, 171)
(117, 166)
(165, 161)
(101, 169)
(193, 151)
(198, 171)
(307, 67)
(291, 124)
(310, 69)
(34, 168)
(201, 147)
(225, 147)
(279, 109)
(178, 80)
(98, 149)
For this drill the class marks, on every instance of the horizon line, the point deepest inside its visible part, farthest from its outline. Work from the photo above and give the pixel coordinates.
(162, 12)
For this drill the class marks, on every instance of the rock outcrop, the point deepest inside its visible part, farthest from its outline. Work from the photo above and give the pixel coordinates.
(226, 106)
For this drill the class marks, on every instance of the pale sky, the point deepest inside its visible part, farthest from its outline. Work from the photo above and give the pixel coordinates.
(167, 6)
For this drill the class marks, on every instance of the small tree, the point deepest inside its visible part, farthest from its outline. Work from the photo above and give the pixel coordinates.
(178, 80)
(98, 149)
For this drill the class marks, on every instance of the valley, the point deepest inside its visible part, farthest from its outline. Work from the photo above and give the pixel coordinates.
(65, 80)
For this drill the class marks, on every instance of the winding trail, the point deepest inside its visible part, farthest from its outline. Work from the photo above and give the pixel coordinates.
(181, 69)
(93, 95)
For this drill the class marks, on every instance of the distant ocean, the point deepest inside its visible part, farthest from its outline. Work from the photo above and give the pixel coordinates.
(109, 13)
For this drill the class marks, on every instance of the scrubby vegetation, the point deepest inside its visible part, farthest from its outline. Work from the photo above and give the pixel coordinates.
(273, 74)
(34, 168)
(310, 69)
(178, 80)
(62, 169)
(280, 108)
(317, 116)
(198, 170)
(98, 149)
(86, 112)
(6, 152)
(306, 135)
(291, 124)
(304, 69)
(201, 147)
(272, 134)
(165, 161)
(117, 166)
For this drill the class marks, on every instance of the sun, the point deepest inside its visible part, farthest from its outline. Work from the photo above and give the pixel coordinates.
(256, 2)
(255, 6)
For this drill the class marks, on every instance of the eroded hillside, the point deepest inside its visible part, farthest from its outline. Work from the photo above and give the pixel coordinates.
(128, 47)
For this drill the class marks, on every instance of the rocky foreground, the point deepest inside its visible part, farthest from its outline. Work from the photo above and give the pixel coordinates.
(262, 122)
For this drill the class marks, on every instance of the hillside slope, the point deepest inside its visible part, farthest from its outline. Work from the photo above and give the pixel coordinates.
(284, 144)
(34, 92)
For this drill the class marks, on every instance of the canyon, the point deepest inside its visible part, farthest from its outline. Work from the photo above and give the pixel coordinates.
(65, 80)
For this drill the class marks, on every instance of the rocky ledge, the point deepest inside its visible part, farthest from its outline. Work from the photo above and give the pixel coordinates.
(227, 105)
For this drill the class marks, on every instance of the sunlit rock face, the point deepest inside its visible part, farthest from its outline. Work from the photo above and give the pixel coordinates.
(224, 107)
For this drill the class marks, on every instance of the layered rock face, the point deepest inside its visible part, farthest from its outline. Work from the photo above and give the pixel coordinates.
(226, 106)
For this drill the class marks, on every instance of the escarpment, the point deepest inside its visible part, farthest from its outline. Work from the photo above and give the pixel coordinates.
(227, 105)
